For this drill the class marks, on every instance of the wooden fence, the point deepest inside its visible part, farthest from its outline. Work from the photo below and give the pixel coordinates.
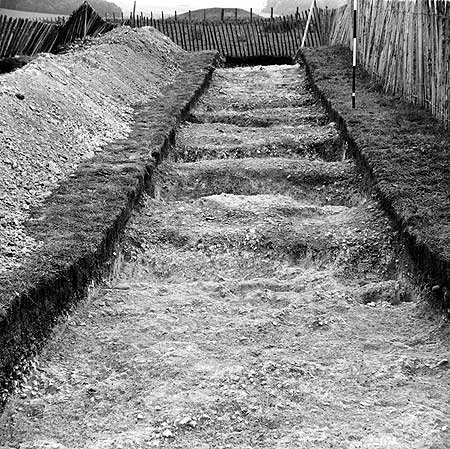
(405, 45)
(25, 37)
(83, 22)
(279, 36)
(276, 36)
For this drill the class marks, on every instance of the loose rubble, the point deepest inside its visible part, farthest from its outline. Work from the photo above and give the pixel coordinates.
(59, 110)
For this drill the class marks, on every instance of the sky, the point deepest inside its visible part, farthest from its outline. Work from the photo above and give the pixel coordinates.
(186, 5)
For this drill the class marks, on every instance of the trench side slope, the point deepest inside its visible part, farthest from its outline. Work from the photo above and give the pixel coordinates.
(80, 223)
(404, 151)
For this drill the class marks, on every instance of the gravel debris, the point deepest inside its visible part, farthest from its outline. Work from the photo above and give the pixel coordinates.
(60, 110)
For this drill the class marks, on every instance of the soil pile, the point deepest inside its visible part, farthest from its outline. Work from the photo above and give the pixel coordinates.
(60, 110)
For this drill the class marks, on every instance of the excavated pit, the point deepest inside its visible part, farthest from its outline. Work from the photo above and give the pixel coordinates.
(260, 187)
(228, 141)
(303, 179)
(263, 117)
(263, 302)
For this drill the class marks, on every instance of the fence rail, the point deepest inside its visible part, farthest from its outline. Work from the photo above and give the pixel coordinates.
(405, 45)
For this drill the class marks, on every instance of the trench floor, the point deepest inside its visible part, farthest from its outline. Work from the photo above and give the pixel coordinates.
(262, 302)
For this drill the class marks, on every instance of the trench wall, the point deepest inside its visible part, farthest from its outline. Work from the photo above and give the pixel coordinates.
(405, 153)
(79, 224)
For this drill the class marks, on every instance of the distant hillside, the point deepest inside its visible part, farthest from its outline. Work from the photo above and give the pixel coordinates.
(290, 6)
(214, 14)
(64, 7)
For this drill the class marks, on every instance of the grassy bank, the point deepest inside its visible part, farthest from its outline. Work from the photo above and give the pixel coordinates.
(405, 151)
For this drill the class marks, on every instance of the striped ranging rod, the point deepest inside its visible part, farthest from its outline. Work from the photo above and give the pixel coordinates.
(355, 7)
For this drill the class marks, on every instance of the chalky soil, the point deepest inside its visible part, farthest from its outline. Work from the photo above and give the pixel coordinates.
(262, 302)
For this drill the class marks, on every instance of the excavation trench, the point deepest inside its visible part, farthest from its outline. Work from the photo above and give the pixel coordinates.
(262, 301)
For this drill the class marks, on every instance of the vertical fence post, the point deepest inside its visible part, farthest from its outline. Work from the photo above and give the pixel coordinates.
(134, 14)
(222, 15)
(85, 23)
(355, 6)
(308, 22)
(251, 15)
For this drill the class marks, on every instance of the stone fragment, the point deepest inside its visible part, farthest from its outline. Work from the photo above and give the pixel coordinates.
(393, 292)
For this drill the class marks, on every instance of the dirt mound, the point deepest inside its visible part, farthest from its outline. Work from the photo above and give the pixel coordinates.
(60, 110)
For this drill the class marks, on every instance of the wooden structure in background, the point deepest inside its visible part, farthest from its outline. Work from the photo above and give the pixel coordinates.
(405, 46)
(25, 37)
(276, 36)
(82, 23)
(238, 38)
(242, 39)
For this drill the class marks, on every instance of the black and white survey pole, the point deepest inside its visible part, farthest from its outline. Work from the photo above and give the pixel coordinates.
(355, 9)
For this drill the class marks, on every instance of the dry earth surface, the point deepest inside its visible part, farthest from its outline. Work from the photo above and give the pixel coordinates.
(262, 302)
(60, 110)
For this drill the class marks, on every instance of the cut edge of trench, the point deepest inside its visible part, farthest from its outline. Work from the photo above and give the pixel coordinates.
(428, 267)
(45, 302)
